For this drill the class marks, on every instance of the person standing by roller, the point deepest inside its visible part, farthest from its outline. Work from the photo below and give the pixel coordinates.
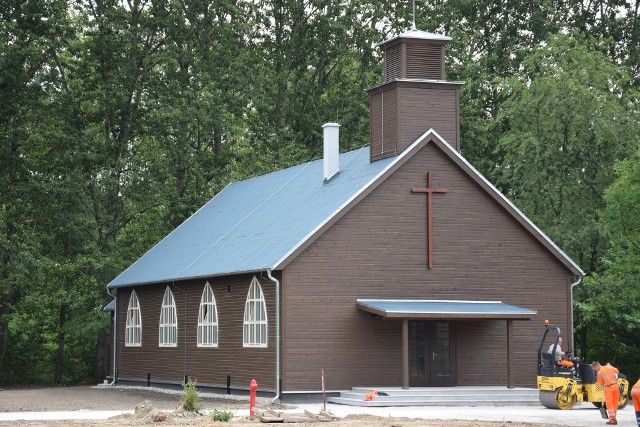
(635, 396)
(608, 377)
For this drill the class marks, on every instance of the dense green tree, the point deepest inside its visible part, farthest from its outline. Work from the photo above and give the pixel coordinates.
(313, 64)
(29, 32)
(118, 119)
(608, 301)
(569, 116)
(198, 100)
(616, 20)
(567, 120)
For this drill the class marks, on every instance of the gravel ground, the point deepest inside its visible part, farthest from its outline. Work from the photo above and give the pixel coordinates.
(86, 406)
(77, 398)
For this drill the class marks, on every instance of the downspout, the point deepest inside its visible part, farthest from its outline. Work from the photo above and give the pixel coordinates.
(115, 334)
(573, 285)
(276, 399)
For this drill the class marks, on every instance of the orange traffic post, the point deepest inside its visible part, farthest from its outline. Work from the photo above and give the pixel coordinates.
(253, 387)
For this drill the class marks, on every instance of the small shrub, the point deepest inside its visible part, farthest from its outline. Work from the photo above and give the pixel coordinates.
(190, 397)
(221, 415)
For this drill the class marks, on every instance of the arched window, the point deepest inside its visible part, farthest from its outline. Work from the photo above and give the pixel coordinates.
(255, 317)
(208, 319)
(168, 333)
(133, 328)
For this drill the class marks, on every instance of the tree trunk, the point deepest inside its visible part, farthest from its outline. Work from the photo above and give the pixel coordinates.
(4, 335)
(60, 356)
(101, 368)
(217, 140)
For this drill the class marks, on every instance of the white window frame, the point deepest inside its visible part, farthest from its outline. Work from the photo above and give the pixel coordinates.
(255, 328)
(208, 331)
(133, 327)
(168, 330)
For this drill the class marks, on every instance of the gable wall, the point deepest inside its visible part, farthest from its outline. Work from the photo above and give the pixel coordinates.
(378, 250)
(209, 366)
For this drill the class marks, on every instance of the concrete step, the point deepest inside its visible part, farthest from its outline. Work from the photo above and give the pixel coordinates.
(440, 392)
(440, 396)
(428, 398)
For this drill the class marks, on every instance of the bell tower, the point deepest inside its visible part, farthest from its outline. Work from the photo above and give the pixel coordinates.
(414, 95)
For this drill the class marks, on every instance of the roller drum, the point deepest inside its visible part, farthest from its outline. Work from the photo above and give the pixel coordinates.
(557, 400)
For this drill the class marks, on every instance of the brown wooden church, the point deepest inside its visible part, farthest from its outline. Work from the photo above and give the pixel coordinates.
(394, 265)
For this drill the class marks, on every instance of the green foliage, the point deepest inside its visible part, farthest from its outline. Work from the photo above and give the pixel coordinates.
(607, 302)
(221, 415)
(567, 118)
(190, 397)
(621, 218)
(120, 119)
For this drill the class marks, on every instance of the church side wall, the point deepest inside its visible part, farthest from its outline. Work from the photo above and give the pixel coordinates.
(209, 366)
(378, 250)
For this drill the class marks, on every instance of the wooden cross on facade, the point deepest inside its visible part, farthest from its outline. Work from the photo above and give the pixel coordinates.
(429, 192)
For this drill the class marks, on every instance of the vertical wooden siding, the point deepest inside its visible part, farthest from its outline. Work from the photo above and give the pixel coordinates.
(421, 109)
(210, 366)
(378, 250)
(384, 123)
(402, 111)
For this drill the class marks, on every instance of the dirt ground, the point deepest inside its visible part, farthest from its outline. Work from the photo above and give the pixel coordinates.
(148, 407)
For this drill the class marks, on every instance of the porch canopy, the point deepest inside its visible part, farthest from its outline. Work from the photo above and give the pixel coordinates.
(111, 306)
(446, 310)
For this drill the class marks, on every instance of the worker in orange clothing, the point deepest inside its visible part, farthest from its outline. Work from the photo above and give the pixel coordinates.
(608, 378)
(370, 395)
(635, 396)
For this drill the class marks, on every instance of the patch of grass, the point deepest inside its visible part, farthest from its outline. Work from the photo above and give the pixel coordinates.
(190, 398)
(221, 415)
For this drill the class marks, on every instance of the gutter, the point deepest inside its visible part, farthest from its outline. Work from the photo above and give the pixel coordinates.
(573, 285)
(276, 399)
(115, 335)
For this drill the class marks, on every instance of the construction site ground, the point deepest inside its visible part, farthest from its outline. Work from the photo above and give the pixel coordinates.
(120, 406)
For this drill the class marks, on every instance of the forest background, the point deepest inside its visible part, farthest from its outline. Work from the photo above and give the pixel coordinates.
(120, 118)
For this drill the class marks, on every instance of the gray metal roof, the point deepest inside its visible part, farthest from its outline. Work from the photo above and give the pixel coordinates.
(417, 34)
(264, 222)
(111, 306)
(401, 80)
(253, 224)
(444, 309)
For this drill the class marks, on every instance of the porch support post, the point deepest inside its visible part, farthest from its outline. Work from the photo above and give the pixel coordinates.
(405, 354)
(510, 354)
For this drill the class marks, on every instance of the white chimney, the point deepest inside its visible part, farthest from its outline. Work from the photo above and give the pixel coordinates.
(331, 149)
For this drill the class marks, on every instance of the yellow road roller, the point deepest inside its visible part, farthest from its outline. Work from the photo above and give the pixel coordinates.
(561, 387)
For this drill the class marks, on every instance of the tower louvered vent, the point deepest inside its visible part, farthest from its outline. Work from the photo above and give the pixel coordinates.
(424, 62)
(393, 63)
(414, 96)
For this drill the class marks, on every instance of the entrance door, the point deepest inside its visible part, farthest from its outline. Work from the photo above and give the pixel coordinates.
(432, 355)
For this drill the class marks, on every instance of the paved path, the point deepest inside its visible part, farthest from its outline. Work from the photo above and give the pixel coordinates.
(580, 416)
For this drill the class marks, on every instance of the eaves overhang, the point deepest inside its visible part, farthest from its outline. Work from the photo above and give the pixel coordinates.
(444, 309)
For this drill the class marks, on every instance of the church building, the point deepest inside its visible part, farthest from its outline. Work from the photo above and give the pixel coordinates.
(397, 264)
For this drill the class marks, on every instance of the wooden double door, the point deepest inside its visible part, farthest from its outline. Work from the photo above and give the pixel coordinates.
(432, 354)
